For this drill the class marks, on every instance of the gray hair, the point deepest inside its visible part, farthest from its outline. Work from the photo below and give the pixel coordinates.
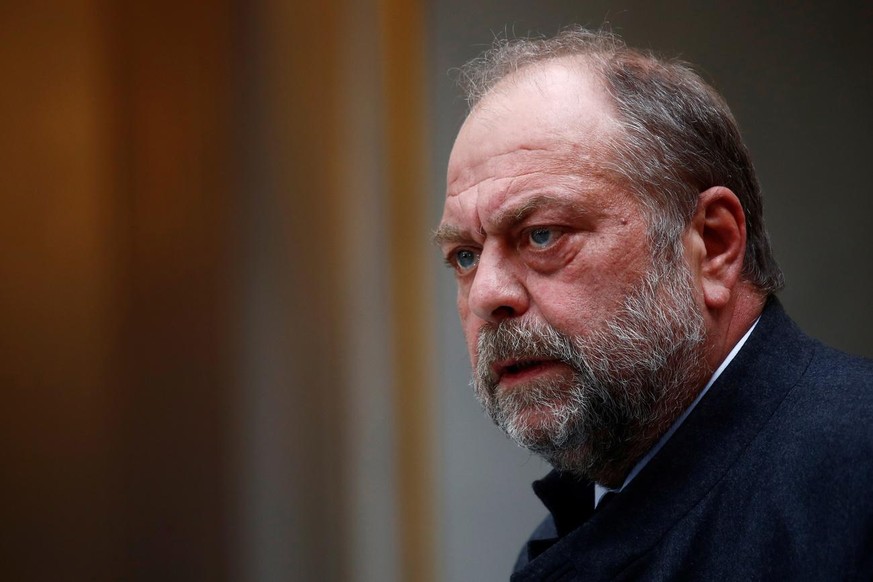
(679, 136)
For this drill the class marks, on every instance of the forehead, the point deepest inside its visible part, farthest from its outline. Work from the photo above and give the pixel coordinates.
(538, 126)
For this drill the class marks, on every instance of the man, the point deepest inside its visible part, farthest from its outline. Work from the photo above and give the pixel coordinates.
(616, 290)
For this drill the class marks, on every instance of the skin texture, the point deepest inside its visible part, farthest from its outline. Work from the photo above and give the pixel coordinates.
(512, 152)
(534, 231)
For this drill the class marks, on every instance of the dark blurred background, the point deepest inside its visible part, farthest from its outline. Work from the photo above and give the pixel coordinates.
(228, 352)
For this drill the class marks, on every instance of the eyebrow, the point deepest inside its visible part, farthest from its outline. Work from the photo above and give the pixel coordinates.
(505, 219)
(508, 218)
(449, 233)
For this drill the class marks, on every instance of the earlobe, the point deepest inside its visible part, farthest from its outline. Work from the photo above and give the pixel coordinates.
(719, 229)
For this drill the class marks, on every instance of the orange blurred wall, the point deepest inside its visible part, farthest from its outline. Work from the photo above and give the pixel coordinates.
(214, 292)
(114, 289)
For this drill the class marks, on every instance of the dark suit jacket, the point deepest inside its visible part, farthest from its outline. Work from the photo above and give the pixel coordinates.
(769, 478)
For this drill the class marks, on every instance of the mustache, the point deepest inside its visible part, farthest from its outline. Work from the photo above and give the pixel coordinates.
(521, 339)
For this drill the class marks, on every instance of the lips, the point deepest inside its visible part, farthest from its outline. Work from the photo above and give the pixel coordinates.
(516, 368)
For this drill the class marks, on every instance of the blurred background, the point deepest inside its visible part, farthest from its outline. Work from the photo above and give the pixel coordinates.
(227, 350)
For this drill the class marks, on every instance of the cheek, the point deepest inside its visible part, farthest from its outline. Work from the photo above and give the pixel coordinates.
(579, 304)
(568, 310)
(470, 325)
(471, 335)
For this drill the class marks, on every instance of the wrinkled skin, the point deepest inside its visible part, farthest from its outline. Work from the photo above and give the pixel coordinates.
(536, 234)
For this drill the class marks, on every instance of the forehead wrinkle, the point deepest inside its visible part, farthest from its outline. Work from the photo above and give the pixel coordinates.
(577, 174)
(564, 160)
(490, 165)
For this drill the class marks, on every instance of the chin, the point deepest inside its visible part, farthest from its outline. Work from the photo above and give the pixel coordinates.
(536, 428)
(540, 426)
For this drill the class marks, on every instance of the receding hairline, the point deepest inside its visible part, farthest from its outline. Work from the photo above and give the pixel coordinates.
(592, 158)
(583, 66)
(582, 71)
(509, 55)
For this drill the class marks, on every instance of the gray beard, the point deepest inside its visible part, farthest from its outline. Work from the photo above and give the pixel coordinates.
(631, 378)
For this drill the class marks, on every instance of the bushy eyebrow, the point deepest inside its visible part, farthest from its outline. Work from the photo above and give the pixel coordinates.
(450, 234)
(509, 218)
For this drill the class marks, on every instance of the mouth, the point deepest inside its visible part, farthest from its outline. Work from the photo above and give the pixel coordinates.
(518, 369)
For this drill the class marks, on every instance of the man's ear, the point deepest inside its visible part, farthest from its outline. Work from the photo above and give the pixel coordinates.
(717, 241)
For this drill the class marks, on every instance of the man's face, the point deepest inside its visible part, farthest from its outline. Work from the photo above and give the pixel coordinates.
(544, 247)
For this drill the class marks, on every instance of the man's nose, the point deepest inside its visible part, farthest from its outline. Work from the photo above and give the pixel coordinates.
(496, 292)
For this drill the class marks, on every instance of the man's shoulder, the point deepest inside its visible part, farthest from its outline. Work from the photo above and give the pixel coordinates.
(832, 367)
(825, 396)
(816, 450)
(829, 409)
(835, 390)
(782, 353)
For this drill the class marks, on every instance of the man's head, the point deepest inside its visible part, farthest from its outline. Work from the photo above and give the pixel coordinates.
(596, 217)
(678, 135)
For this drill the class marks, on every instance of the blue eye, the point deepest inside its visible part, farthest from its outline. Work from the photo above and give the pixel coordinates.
(541, 236)
(466, 259)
